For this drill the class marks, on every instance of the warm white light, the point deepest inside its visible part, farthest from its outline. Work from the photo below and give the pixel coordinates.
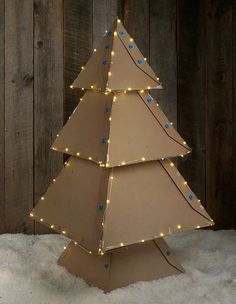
(54, 180)
(184, 142)
(124, 91)
(90, 252)
(115, 33)
(182, 155)
(123, 163)
(106, 31)
(198, 227)
(64, 247)
(212, 220)
(95, 50)
(63, 231)
(145, 58)
(107, 165)
(161, 234)
(75, 243)
(41, 220)
(179, 226)
(52, 226)
(101, 253)
(42, 198)
(112, 53)
(131, 40)
(142, 241)
(91, 86)
(77, 153)
(66, 149)
(199, 201)
(142, 91)
(185, 183)
(90, 158)
(82, 68)
(171, 123)
(81, 99)
(57, 135)
(114, 98)
(172, 164)
(108, 201)
(162, 158)
(158, 78)
(109, 73)
(129, 89)
(71, 86)
(31, 214)
(149, 88)
(143, 158)
(82, 89)
(111, 177)
(110, 118)
(118, 20)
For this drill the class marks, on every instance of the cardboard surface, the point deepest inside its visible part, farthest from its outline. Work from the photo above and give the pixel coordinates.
(117, 65)
(94, 205)
(139, 262)
(138, 130)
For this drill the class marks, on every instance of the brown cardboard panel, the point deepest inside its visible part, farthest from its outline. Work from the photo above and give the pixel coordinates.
(147, 201)
(86, 132)
(140, 131)
(74, 203)
(95, 72)
(140, 262)
(117, 65)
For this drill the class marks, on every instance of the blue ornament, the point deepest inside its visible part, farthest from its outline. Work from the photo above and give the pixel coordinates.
(107, 47)
(103, 140)
(107, 109)
(140, 61)
(122, 33)
(131, 47)
(168, 253)
(167, 126)
(158, 99)
(100, 207)
(104, 62)
(106, 265)
(149, 99)
(109, 33)
(190, 196)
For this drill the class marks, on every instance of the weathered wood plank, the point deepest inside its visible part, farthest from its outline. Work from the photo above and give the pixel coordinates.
(191, 90)
(136, 20)
(48, 93)
(219, 158)
(163, 53)
(104, 13)
(78, 45)
(19, 115)
(2, 117)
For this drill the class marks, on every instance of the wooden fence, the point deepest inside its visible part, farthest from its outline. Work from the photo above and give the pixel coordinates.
(189, 43)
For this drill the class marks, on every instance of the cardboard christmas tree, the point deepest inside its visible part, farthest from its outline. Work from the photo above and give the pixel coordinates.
(118, 195)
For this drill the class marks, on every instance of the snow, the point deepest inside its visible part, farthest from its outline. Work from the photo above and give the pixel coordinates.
(29, 273)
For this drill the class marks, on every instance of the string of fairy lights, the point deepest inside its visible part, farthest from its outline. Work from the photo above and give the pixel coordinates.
(67, 164)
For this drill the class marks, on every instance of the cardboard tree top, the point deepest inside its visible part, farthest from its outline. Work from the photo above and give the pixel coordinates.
(118, 190)
(117, 65)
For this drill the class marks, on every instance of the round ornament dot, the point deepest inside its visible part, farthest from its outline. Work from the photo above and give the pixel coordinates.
(131, 47)
(100, 207)
(121, 33)
(104, 62)
(140, 61)
(167, 126)
(149, 99)
(190, 196)
(109, 33)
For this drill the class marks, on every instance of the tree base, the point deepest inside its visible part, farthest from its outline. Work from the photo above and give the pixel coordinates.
(117, 268)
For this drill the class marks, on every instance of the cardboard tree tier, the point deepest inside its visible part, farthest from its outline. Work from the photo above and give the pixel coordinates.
(119, 194)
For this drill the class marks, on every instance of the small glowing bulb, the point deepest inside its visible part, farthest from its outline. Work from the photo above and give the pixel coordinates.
(63, 231)
(212, 220)
(41, 220)
(123, 163)
(142, 91)
(131, 40)
(110, 118)
(182, 155)
(129, 89)
(91, 86)
(171, 123)
(185, 183)
(114, 98)
(107, 165)
(75, 243)
(121, 244)
(90, 252)
(115, 33)
(112, 53)
(106, 93)
(66, 149)
(161, 234)
(109, 73)
(179, 226)
(111, 177)
(184, 142)
(118, 20)
(162, 158)
(77, 153)
(124, 91)
(142, 241)
(57, 135)
(81, 99)
(95, 50)
(54, 180)
(158, 78)
(199, 201)
(143, 158)
(64, 247)
(42, 198)
(101, 253)
(82, 68)
(90, 158)
(52, 226)
(148, 88)
(108, 201)
(145, 58)
(198, 227)
(106, 31)
(71, 86)
(172, 164)
(31, 214)
(82, 89)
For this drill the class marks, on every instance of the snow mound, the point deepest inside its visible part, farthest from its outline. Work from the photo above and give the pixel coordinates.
(29, 273)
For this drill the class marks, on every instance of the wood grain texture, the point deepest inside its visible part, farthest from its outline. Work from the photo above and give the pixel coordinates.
(18, 115)
(191, 90)
(163, 53)
(219, 158)
(104, 14)
(48, 94)
(78, 45)
(2, 118)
